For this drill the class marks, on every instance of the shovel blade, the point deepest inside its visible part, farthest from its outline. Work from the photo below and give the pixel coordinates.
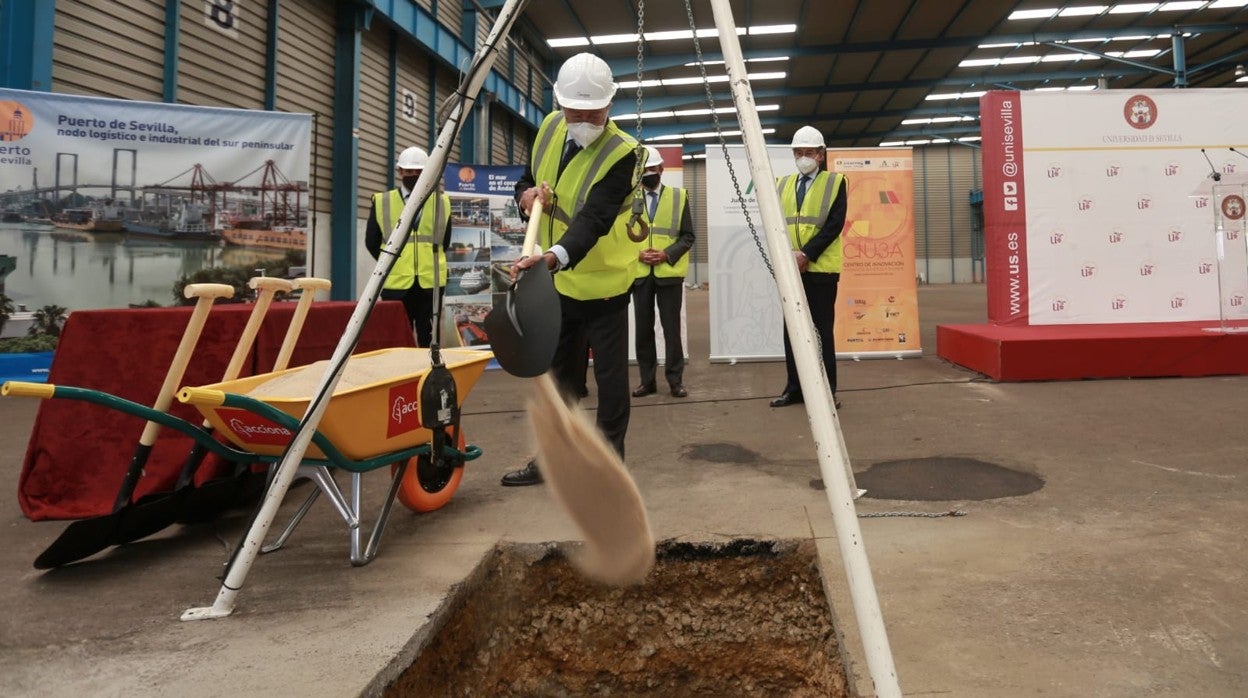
(523, 327)
(81, 539)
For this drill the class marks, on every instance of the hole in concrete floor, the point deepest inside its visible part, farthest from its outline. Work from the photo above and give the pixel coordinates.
(720, 453)
(941, 478)
(746, 617)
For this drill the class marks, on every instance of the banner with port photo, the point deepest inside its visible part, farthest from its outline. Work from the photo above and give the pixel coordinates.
(880, 308)
(673, 176)
(108, 202)
(487, 234)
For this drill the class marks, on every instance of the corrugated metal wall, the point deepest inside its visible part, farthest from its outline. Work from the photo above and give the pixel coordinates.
(376, 161)
(222, 66)
(446, 83)
(305, 81)
(944, 175)
(114, 49)
(695, 183)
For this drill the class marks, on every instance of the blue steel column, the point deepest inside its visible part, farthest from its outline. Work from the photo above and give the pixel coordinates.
(173, 24)
(26, 44)
(346, 146)
(270, 56)
(1180, 60)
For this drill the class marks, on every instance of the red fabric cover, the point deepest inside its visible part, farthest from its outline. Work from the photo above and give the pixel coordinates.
(78, 452)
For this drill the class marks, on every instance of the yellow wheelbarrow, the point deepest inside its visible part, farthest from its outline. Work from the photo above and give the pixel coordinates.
(373, 420)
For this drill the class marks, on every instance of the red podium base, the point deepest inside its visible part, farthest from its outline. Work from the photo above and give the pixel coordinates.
(1072, 352)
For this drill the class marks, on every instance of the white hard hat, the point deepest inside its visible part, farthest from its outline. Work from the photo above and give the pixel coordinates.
(808, 137)
(653, 159)
(584, 82)
(412, 158)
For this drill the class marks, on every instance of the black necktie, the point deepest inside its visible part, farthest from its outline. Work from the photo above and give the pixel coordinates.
(801, 190)
(568, 153)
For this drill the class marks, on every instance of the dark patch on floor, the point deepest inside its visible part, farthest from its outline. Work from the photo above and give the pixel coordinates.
(939, 479)
(719, 453)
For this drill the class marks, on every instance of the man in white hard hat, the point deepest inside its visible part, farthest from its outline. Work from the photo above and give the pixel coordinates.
(662, 263)
(582, 166)
(814, 205)
(411, 278)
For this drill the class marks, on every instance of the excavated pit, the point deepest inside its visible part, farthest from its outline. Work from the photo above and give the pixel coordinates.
(745, 617)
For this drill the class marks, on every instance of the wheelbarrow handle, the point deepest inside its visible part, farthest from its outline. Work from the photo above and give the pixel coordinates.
(201, 396)
(23, 389)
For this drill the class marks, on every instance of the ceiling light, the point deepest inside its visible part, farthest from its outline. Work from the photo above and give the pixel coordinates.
(1220, 4)
(1133, 8)
(1239, 69)
(1084, 11)
(1034, 14)
(1181, 5)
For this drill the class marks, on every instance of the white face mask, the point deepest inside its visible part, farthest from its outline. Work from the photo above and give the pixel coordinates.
(807, 165)
(585, 133)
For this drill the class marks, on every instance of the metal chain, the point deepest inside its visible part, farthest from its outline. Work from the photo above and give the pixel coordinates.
(710, 103)
(913, 514)
(641, 27)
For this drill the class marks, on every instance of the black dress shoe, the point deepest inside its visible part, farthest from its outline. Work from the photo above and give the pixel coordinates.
(787, 399)
(679, 391)
(528, 475)
(644, 390)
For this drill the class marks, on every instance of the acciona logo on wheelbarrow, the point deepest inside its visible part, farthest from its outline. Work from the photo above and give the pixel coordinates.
(254, 429)
(404, 409)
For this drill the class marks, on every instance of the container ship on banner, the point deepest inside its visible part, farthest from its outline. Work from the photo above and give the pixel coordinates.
(191, 222)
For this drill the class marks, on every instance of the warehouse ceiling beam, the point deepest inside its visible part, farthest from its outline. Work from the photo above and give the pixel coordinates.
(628, 66)
(660, 103)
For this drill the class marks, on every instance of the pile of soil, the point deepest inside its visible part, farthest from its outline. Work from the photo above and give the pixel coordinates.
(746, 617)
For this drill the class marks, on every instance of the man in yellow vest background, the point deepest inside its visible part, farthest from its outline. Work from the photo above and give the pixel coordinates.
(411, 278)
(583, 168)
(814, 205)
(662, 263)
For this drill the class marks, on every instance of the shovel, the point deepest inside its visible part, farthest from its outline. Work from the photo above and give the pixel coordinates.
(156, 512)
(89, 536)
(523, 327)
(205, 501)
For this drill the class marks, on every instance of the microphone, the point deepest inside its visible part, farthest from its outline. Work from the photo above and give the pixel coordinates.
(1238, 152)
(1213, 171)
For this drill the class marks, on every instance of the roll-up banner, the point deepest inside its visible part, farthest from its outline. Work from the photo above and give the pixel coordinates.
(877, 303)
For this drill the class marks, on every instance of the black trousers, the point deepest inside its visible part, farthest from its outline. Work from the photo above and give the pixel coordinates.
(647, 293)
(418, 302)
(605, 331)
(821, 299)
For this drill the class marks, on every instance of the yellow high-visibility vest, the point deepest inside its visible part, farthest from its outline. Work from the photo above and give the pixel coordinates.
(664, 230)
(607, 270)
(415, 262)
(816, 206)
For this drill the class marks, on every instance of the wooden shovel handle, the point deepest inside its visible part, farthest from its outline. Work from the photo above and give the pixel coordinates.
(266, 287)
(204, 294)
(530, 233)
(309, 285)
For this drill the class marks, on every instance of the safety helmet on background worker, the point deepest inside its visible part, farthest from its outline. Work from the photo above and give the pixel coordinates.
(653, 158)
(412, 158)
(808, 137)
(584, 82)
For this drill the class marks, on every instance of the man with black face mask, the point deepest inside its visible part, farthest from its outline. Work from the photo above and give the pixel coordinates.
(411, 279)
(662, 262)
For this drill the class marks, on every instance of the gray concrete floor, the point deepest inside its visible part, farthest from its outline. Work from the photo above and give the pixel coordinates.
(1123, 576)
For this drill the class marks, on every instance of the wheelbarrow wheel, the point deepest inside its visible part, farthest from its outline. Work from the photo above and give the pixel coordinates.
(427, 488)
